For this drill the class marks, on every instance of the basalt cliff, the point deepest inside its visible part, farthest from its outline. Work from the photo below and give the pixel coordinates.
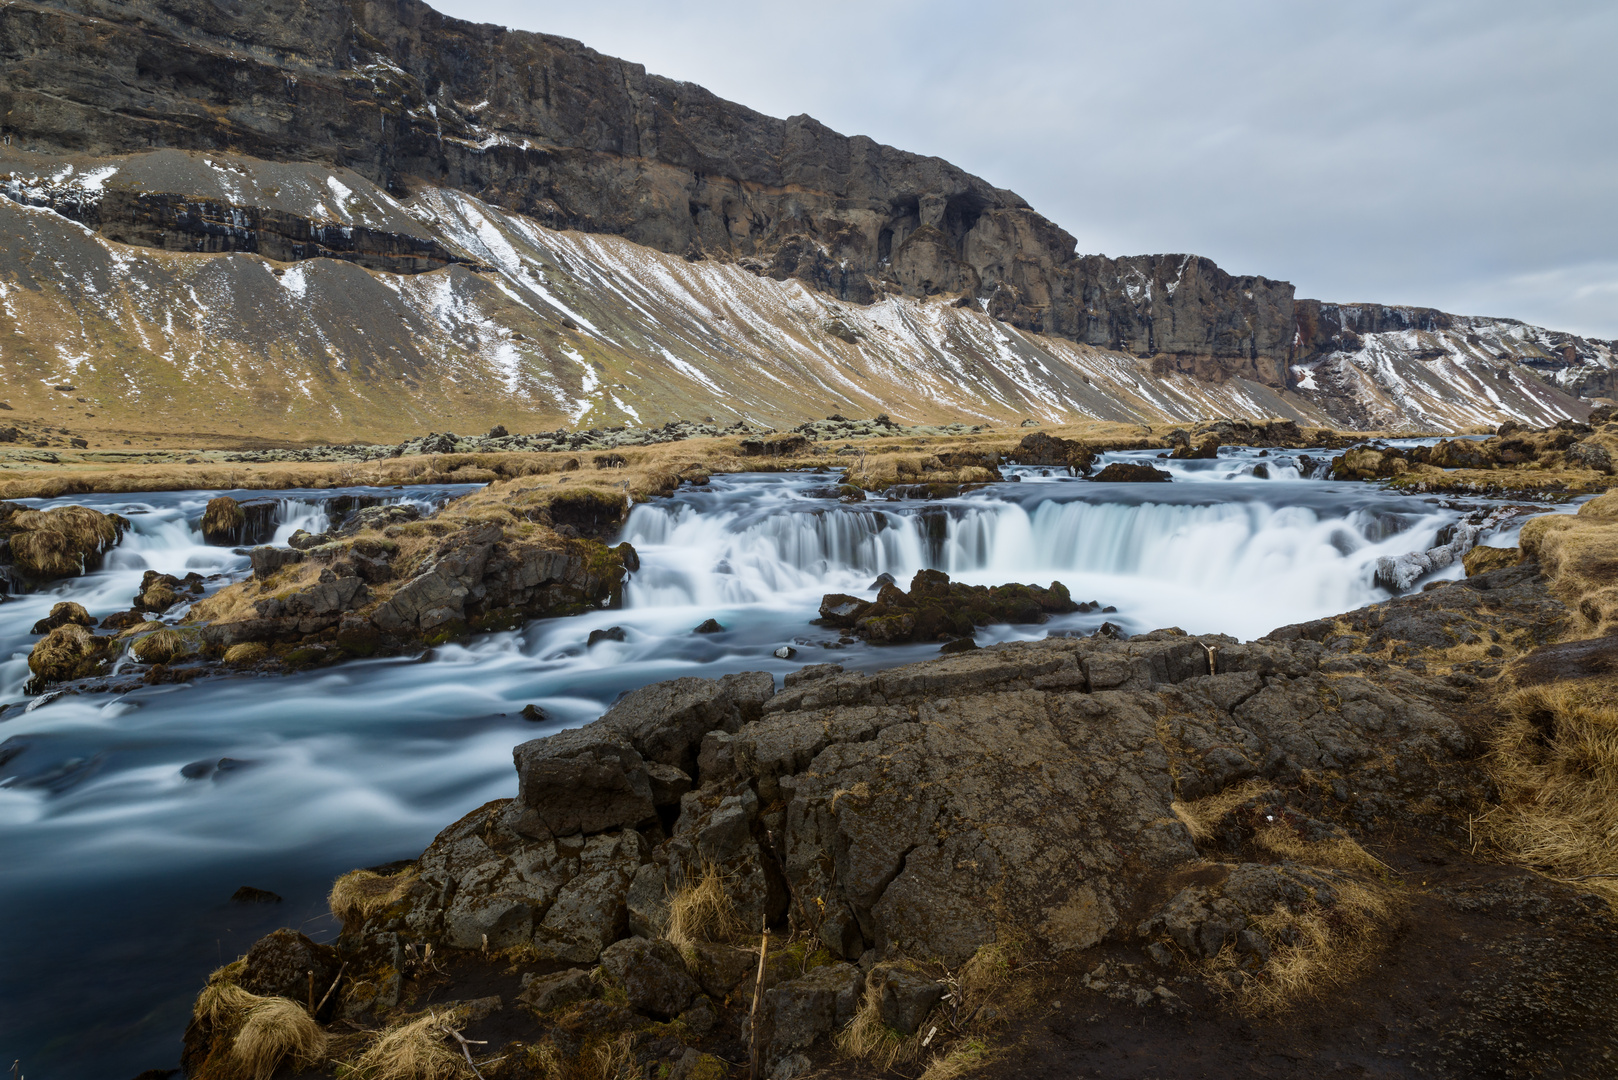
(341, 219)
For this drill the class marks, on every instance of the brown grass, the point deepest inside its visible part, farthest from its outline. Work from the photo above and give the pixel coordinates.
(613, 1059)
(1555, 760)
(274, 1030)
(701, 911)
(359, 894)
(959, 1060)
(870, 1040)
(418, 1049)
(1199, 816)
(1331, 947)
(1342, 853)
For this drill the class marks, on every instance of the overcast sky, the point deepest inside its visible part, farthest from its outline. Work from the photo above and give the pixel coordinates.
(1461, 154)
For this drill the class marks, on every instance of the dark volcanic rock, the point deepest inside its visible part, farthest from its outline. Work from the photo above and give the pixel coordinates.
(1127, 473)
(938, 608)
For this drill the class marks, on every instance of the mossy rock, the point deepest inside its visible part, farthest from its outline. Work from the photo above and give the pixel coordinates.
(67, 652)
(163, 646)
(246, 653)
(65, 542)
(222, 521)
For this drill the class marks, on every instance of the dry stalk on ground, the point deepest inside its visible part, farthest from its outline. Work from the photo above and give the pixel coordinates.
(418, 1049)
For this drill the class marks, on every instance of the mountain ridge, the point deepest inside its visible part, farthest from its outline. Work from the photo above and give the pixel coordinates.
(216, 131)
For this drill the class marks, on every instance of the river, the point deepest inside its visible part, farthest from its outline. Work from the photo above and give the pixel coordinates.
(127, 821)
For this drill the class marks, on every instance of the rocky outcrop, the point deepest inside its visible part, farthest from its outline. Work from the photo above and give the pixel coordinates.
(345, 594)
(40, 545)
(937, 609)
(1183, 806)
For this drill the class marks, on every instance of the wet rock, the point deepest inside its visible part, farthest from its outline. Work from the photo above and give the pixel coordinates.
(67, 541)
(936, 608)
(611, 633)
(62, 614)
(158, 592)
(164, 646)
(785, 652)
(278, 965)
(882, 579)
(247, 894)
(223, 522)
(123, 620)
(1124, 472)
(1042, 449)
(534, 713)
(651, 974)
(709, 626)
(1206, 451)
(67, 652)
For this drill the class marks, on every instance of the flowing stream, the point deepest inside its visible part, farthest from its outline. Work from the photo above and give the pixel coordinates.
(128, 820)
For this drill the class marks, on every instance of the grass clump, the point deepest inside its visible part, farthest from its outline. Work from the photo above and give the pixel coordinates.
(701, 911)
(1200, 816)
(866, 1037)
(1555, 760)
(958, 1061)
(254, 1035)
(416, 1049)
(360, 894)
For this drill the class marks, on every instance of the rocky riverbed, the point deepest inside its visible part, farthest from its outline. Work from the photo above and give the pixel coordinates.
(983, 861)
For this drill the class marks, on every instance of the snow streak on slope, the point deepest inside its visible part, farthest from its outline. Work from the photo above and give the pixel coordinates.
(542, 328)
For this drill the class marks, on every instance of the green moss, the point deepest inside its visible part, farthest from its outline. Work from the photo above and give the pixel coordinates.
(446, 633)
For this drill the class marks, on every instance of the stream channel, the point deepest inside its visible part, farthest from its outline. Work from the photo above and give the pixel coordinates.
(127, 821)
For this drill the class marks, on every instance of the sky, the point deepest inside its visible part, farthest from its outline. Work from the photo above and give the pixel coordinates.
(1458, 154)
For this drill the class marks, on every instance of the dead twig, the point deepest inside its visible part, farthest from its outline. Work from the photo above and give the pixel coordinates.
(466, 1048)
(340, 969)
(758, 992)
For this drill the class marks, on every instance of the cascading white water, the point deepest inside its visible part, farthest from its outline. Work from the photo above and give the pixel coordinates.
(1242, 567)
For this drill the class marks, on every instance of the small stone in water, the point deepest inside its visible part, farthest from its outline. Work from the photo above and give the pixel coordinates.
(612, 633)
(709, 626)
(786, 652)
(249, 895)
(534, 712)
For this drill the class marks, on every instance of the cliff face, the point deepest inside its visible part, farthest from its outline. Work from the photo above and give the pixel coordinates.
(576, 140)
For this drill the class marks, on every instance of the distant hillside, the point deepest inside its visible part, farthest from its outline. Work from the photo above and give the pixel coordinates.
(362, 220)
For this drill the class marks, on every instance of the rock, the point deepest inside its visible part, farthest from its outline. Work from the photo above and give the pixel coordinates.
(651, 973)
(785, 652)
(267, 560)
(587, 780)
(1123, 472)
(1208, 450)
(721, 968)
(534, 713)
(64, 542)
(247, 894)
(787, 445)
(247, 653)
(960, 644)
(709, 626)
(799, 1011)
(812, 671)
(906, 996)
(158, 592)
(1481, 559)
(223, 521)
(163, 646)
(612, 633)
(936, 608)
(882, 579)
(545, 993)
(1043, 449)
(648, 902)
(68, 652)
(123, 620)
(278, 965)
(62, 614)
(1590, 455)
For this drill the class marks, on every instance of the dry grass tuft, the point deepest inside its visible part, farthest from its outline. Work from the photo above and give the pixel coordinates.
(418, 1049)
(359, 894)
(1555, 760)
(958, 1061)
(870, 1040)
(1201, 815)
(274, 1030)
(1325, 947)
(702, 911)
(613, 1059)
(222, 1000)
(1342, 853)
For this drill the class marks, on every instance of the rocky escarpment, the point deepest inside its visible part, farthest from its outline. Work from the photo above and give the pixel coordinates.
(576, 140)
(1163, 821)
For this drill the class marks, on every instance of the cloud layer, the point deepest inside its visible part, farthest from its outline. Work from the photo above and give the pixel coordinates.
(1455, 153)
